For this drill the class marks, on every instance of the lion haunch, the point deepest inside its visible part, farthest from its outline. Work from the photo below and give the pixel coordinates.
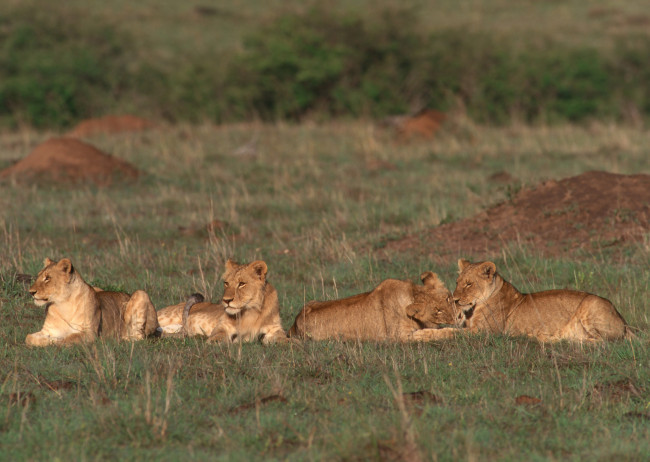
(78, 312)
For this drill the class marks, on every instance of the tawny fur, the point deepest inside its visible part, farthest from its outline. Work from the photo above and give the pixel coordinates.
(78, 312)
(394, 310)
(249, 309)
(492, 304)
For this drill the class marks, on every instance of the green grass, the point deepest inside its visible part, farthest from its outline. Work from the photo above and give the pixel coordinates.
(308, 205)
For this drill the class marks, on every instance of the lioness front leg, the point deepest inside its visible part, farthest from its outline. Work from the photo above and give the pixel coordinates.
(275, 335)
(79, 337)
(222, 335)
(426, 335)
(38, 339)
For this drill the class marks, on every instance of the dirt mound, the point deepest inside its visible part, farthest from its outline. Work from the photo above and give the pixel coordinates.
(65, 160)
(423, 124)
(109, 124)
(586, 211)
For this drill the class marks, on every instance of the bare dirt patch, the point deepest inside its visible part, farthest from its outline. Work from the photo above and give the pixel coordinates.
(67, 160)
(589, 211)
(109, 124)
(423, 124)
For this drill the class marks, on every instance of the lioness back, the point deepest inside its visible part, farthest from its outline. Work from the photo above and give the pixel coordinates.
(112, 306)
(339, 319)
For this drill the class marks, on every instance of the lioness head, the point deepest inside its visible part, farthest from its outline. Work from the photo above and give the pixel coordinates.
(52, 282)
(244, 286)
(476, 283)
(433, 304)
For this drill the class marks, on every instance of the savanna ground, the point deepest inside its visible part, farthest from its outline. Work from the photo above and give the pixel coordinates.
(324, 204)
(318, 203)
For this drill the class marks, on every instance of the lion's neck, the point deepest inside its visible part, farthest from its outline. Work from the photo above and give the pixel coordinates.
(506, 297)
(270, 297)
(79, 295)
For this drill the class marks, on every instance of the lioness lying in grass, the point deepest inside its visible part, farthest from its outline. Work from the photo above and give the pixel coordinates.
(491, 304)
(78, 312)
(394, 310)
(249, 309)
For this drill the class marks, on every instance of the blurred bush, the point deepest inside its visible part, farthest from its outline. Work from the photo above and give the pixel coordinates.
(55, 69)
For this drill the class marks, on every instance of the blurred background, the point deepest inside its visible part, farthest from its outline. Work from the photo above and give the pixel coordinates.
(497, 61)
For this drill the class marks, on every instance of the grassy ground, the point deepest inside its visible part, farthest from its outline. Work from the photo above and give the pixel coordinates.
(315, 202)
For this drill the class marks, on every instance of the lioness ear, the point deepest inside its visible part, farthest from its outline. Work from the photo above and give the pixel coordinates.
(47, 262)
(260, 268)
(429, 278)
(415, 310)
(488, 269)
(462, 264)
(65, 265)
(231, 264)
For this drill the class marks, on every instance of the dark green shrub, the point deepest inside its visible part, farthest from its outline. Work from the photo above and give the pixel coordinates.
(326, 63)
(56, 67)
(54, 70)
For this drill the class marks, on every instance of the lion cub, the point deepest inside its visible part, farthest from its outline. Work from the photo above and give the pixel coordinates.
(492, 304)
(394, 310)
(77, 312)
(249, 309)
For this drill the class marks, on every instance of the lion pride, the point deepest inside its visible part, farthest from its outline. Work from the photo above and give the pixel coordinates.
(394, 310)
(78, 312)
(492, 304)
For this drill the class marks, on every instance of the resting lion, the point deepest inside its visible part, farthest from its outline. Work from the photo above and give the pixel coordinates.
(394, 310)
(492, 304)
(249, 309)
(78, 312)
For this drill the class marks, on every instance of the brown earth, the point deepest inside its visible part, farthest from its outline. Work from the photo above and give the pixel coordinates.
(67, 160)
(589, 211)
(423, 124)
(109, 124)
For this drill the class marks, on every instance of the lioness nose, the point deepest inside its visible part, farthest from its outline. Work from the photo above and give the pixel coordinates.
(456, 299)
(227, 300)
(32, 292)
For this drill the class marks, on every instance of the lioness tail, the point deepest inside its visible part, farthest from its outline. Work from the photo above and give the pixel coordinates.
(194, 299)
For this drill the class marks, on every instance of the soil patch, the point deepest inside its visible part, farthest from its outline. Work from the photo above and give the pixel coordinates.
(589, 211)
(423, 124)
(67, 160)
(109, 124)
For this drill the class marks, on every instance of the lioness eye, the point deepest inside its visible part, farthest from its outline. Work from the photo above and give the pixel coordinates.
(225, 284)
(241, 284)
(467, 284)
(46, 279)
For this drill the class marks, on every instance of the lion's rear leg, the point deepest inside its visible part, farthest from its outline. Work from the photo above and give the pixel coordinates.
(595, 319)
(140, 317)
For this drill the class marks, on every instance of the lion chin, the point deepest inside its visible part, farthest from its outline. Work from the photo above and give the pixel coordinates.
(232, 311)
